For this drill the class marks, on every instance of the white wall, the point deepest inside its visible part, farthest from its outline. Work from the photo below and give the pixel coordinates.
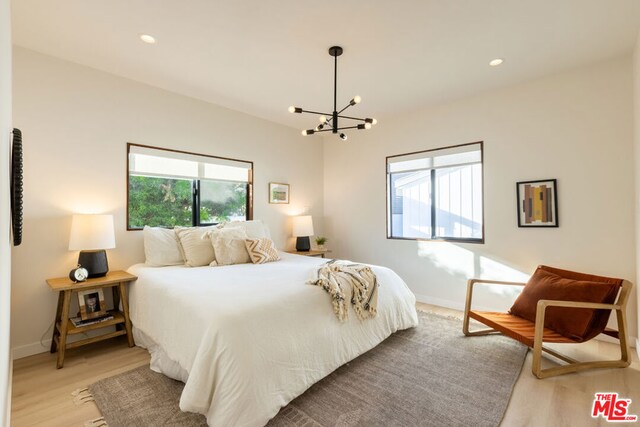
(76, 123)
(636, 116)
(5, 246)
(576, 127)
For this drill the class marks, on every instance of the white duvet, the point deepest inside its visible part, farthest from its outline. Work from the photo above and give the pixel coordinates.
(247, 339)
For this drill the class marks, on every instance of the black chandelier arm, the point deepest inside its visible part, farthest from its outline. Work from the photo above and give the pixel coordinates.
(343, 128)
(316, 112)
(352, 118)
(348, 105)
(352, 127)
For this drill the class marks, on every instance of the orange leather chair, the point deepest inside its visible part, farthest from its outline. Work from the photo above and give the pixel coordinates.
(558, 306)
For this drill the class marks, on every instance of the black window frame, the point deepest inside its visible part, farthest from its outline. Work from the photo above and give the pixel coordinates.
(195, 187)
(434, 237)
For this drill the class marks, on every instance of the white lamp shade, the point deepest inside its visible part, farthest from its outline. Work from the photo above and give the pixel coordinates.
(302, 226)
(92, 232)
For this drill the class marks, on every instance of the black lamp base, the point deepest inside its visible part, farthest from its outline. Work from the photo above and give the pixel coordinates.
(303, 244)
(95, 262)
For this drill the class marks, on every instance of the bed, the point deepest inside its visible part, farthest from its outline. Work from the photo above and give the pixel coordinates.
(247, 339)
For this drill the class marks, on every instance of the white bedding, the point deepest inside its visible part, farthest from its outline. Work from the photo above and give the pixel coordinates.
(247, 339)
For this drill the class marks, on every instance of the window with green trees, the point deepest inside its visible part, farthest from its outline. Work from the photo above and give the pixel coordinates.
(169, 188)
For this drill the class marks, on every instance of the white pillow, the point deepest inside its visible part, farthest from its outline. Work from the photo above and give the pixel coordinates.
(255, 229)
(228, 245)
(161, 247)
(195, 245)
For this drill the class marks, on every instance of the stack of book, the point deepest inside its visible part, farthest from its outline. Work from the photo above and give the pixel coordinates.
(77, 321)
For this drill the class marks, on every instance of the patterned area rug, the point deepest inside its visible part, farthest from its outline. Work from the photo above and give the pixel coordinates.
(427, 376)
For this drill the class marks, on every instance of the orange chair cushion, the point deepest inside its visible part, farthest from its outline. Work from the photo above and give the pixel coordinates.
(578, 324)
(516, 327)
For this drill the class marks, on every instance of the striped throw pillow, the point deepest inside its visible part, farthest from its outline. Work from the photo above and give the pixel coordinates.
(261, 250)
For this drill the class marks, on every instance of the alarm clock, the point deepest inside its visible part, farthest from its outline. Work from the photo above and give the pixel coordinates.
(78, 274)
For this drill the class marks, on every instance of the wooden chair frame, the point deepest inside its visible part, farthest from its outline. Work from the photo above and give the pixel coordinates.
(572, 365)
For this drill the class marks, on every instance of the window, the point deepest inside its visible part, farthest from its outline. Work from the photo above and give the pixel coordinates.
(436, 194)
(169, 188)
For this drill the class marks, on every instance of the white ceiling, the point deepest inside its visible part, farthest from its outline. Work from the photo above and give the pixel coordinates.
(261, 56)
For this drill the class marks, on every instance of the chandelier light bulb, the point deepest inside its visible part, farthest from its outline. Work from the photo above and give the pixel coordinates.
(323, 119)
(374, 122)
(308, 132)
(292, 109)
(367, 125)
(496, 62)
(357, 99)
(343, 137)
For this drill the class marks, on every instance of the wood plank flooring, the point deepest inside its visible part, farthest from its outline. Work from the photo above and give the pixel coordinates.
(42, 393)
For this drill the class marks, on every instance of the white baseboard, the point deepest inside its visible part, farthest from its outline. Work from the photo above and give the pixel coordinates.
(30, 349)
(457, 305)
(454, 305)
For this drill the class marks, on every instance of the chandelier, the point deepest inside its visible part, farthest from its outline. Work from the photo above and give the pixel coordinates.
(330, 122)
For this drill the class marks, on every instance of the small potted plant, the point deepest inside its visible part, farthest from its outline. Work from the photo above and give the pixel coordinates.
(320, 241)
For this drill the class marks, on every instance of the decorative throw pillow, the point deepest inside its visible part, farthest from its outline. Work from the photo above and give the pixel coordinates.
(195, 245)
(261, 250)
(228, 246)
(555, 284)
(161, 247)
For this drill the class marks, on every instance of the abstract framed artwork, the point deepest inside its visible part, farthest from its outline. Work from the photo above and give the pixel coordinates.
(278, 193)
(537, 203)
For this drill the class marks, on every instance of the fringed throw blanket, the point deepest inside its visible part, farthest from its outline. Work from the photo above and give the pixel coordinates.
(346, 281)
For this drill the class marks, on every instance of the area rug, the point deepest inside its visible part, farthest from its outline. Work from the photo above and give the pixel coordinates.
(426, 376)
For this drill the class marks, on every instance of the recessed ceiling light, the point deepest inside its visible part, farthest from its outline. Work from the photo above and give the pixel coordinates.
(147, 38)
(496, 62)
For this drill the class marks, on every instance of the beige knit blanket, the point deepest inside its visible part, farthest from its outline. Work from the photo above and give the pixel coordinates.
(346, 281)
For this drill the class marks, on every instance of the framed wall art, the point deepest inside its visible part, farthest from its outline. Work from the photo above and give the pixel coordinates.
(278, 192)
(537, 203)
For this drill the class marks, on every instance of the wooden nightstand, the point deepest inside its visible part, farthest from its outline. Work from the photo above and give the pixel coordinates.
(116, 280)
(312, 252)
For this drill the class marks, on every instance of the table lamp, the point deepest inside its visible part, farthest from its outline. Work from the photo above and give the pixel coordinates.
(91, 235)
(302, 229)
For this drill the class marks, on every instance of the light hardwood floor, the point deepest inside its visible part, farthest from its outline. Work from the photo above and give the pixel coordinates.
(42, 393)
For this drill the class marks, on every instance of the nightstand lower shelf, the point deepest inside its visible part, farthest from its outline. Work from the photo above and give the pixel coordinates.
(118, 317)
(86, 341)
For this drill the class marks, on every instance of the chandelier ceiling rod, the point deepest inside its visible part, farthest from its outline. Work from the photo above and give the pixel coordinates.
(335, 51)
(330, 124)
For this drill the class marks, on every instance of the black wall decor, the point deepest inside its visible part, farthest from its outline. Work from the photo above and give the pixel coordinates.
(16, 187)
